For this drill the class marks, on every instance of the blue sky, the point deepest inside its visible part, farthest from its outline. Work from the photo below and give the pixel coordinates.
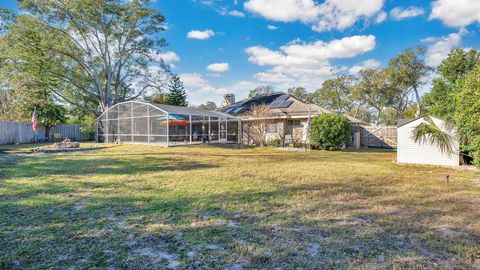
(287, 43)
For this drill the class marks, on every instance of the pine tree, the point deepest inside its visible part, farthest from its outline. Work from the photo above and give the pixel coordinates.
(177, 95)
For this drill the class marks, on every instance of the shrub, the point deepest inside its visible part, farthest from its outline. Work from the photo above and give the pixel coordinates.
(329, 131)
(467, 113)
(274, 143)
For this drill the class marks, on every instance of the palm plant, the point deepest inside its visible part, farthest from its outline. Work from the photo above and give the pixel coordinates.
(430, 132)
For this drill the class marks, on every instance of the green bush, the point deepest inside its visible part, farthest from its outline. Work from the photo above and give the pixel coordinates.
(274, 143)
(467, 113)
(329, 131)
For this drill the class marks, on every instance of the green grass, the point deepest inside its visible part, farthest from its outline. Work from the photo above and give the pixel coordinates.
(212, 207)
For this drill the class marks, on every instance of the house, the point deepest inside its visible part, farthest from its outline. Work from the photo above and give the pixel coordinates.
(425, 153)
(287, 116)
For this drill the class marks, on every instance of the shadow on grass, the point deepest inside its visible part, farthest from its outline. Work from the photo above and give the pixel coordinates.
(122, 231)
(70, 165)
(86, 224)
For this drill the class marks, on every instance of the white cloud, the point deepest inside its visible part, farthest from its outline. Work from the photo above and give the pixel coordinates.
(381, 17)
(167, 57)
(342, 14)
(456, 13)
(440, 47)
(306, 64)
(236, 13)
(283, 10)
(200, 90)
(331, 14)
(367, 64)
(218, 67)
(400, 13)
(272, 27)
(197, 34)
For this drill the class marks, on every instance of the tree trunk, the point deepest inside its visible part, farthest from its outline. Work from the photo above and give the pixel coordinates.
(377, 120)
(47, 131)
(419, 105)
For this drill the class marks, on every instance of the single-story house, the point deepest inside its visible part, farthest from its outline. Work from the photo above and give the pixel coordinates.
(287, 116)
(425, 153)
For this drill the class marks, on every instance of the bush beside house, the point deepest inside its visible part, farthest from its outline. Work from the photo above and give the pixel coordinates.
(329, 131)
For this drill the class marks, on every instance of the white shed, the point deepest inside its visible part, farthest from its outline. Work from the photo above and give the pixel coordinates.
(424, 153)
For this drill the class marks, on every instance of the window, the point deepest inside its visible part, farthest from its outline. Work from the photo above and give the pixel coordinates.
(271, 128)
(295, 123)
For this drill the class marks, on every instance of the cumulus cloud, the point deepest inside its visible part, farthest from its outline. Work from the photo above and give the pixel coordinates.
(167, 57)
(306, 64)
(272, 27)
(381, 17)
(456, 13)
(367, 64)
(440, 47)
(197, 34)
(400, 13)
(329, 15)
(342, 14)
(201, 90)
(218, 67)
(236, 13)
(283, 10)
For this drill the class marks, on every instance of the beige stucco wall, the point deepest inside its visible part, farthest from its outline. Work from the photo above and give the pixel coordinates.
(297, 133)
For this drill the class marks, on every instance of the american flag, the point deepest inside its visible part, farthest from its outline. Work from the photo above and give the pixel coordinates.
(34, 120)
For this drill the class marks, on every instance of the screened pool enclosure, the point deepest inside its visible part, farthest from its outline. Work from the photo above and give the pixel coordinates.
(138, 122)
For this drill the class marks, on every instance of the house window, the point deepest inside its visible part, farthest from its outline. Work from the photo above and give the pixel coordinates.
(295, 123)
(271, 128)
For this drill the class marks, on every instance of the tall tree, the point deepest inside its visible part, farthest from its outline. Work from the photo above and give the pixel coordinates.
(375, 89)
(298, 92)
(209, 106)
(260, 91)
(440, 101)
(408, 71)
(176, 95)
(159, 98)
(335, 94)
(97, 50)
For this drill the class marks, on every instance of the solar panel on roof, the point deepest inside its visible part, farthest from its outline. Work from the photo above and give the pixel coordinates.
(281, 104)
(282, 98)
(237, 110)
(229, 110)
(274, 104)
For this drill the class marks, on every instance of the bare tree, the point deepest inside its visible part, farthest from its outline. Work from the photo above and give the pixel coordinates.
(259, 116)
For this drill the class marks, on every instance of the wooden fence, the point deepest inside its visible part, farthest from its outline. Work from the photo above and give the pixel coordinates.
(18, 132)
(377, 137)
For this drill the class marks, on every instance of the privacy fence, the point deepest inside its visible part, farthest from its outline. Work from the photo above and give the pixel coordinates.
(18, 132)
(377, 137)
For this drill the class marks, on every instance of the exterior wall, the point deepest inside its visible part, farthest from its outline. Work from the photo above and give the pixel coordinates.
(413, 153)
(284, 131)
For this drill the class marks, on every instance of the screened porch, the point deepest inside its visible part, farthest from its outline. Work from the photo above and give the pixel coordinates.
(138, 122)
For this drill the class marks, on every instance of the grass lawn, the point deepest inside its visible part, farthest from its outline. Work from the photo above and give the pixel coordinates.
(212, 207)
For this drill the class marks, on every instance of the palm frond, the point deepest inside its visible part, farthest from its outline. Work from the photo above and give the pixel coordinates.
(430, 133)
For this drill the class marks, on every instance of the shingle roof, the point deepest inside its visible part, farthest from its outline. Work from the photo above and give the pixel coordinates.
(244, 105)
(241, 107)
